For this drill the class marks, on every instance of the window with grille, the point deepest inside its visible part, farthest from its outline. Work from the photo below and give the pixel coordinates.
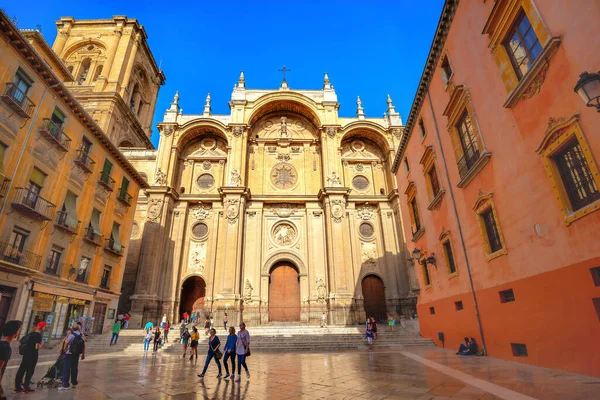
(458, 305)
(360, 182)
(426, 274)
(522, 45)
(491, 230)
(507, 296)
(415, 212)
(449, 257)
(519, 349)
(206, 181)
(433, 179)
(576, 176)
(53, 261)
(468, 143)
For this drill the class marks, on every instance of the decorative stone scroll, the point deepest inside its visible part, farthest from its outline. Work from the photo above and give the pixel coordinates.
(366, 211)
(282, 210)
(238, 131)
(331, 132)
(337, 210)
(200, 212)
(232, 210)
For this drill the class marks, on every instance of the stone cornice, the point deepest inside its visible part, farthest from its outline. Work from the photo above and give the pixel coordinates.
(432, 60)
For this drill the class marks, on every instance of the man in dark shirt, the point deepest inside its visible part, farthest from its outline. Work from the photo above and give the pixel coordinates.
(33, 342)
(10, 331)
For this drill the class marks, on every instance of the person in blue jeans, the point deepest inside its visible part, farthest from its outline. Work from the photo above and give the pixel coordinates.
(74, 346)
(242, 349)
(115, 335)
(213, 346)
(148, 339)
(229, 351)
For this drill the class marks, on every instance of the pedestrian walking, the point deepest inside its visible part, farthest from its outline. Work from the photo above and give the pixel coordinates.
(323, 320)
(166, 331)
(369, 334)
(74, 347)
(229, 351)
(30, 345)
(206, 326)
(163, 321)
(195, 337)
(127, 316)
(242, 349)
(185, 317)
(149, 326)
(115, 335)
(148, 339)
(185, 338)
(182, 329)
(225, 321)
(193, 318)
(391, 322)
(374, 327)
(213, 352)
(156, 339)
(10, 331)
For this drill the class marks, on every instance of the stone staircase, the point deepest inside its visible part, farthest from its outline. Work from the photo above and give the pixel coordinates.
(277, 338)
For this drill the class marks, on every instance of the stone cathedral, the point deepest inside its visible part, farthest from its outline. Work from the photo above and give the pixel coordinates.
(276, 212)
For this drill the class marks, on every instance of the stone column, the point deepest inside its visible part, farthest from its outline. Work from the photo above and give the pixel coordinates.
(112, 50)
(130, 61)
(61, 40)
(339, 255)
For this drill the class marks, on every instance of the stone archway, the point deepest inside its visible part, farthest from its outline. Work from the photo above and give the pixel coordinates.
(374, 297)
(193, 292)
(284, 293)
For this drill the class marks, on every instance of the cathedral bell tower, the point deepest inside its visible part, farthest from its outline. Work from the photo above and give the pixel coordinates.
(115, 76)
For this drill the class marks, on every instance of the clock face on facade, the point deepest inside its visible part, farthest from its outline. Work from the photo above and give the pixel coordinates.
(284, 176)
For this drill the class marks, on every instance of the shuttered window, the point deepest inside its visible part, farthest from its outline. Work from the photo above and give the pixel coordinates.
(70, 207)
(37, 177)
(115, 237)
(95, 222)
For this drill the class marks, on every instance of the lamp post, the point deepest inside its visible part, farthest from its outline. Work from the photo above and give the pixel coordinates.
(588, 88)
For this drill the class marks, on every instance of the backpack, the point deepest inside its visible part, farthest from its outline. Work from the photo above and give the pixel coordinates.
(23, 346)
(76, 346)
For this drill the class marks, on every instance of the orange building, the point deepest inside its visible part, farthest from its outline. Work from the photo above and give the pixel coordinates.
(499, 168)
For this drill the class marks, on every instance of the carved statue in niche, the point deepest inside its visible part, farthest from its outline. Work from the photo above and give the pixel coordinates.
(236, 179)
(321, 291)
(161, 178)
(290, 126)
(333, 180)
(283, 127)
(248, 291)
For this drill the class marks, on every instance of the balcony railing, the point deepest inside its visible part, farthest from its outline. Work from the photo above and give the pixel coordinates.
(467, 161)
(106, 181)
(17, 100)
(84, 161)
(124, 197)
(4, 184)
(29, 202)
(14, 255)
(90, 235)
(62, 223)
(111, 246)
(53, 268)
(55, 134)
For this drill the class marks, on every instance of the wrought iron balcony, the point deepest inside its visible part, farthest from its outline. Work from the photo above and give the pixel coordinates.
(55, 134)
(5, 182)
(111, 247)
(61, 223)
(53, 268)
(124, 197)
(467, 161)
(84, 161)
(14, 255)
(90, 235)
(17, 100)
(106, 181)
(29, 202)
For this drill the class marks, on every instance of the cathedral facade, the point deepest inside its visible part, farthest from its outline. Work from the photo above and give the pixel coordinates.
(276, 212)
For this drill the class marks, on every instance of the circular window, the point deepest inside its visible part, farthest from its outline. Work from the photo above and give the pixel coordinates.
(360, 182)
(366, 230)
(206, 181)
(284, 176)
(200, 230)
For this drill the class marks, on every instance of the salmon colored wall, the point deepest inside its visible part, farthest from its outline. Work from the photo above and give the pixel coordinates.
(549, 273)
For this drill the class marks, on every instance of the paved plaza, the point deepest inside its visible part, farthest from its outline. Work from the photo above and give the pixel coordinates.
(416, 373)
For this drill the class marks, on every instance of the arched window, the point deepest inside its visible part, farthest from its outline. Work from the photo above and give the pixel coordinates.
(98, 72)
(136, 96)
(84, 70)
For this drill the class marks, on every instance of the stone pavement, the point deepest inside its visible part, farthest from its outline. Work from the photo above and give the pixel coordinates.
(412, 373)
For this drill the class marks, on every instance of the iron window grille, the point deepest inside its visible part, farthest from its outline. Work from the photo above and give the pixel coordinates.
(507, 296)
(491, 230)
(576, 176)
(433, 179)
(416, 217)
(468, 143)
(450, 257)
(519, 349)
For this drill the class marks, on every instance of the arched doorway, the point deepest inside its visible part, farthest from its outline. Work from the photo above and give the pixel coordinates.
(193, 291)
(374, 297)
(284, 293)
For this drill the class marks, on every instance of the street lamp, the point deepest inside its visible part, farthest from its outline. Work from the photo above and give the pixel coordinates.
(416, 253)
(431, 259)
(588, 88)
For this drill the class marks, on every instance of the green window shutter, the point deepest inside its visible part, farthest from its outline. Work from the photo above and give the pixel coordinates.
(125, 185)
(107, 167)
(37, 177)
(58, 116)
(115, 236)
(95, 222)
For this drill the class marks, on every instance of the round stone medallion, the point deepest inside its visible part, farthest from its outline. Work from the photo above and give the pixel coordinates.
(284, 234)
(358, 145)
(205, 181)
(284, 176)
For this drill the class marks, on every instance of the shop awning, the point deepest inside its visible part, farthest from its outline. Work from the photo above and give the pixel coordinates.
(40, 287)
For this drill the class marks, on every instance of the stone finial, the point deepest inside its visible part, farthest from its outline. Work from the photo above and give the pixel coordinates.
(393, 117)
(241, 81)
(207, 108)
(326, 83)
(391, 109)
(176, 97)
(174, 105)
(360, 111)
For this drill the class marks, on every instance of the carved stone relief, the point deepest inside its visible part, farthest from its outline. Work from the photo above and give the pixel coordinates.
(197, 259)
(321, 291)
(284, 234)
(232, 210)
(155, 210)
(337, 210)
(284, 176)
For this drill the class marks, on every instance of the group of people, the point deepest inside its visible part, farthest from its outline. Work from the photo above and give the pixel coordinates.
(71, 348)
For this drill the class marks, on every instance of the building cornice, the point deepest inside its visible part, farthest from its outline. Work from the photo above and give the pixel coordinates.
(22, 46)
(435, 51)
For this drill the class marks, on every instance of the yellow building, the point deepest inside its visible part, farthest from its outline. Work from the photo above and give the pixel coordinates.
(67, 194)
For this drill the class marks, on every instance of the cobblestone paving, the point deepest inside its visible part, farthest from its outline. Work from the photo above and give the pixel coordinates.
(422, 373)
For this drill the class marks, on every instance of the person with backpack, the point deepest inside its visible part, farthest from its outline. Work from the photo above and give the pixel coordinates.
(10, 331)
(74, 347)
(30, 344)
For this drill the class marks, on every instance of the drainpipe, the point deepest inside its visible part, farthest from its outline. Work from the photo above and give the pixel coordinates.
(460, 232)
(37, 110)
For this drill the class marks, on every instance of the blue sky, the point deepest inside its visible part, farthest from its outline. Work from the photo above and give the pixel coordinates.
(369, 49)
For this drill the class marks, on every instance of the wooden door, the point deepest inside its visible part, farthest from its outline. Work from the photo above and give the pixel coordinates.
(99, 314)
(284, 294)
(374, 297)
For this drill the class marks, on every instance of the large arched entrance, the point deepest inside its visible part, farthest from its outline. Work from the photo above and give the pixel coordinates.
(284, 293)
(193, 291)
(374, 297)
